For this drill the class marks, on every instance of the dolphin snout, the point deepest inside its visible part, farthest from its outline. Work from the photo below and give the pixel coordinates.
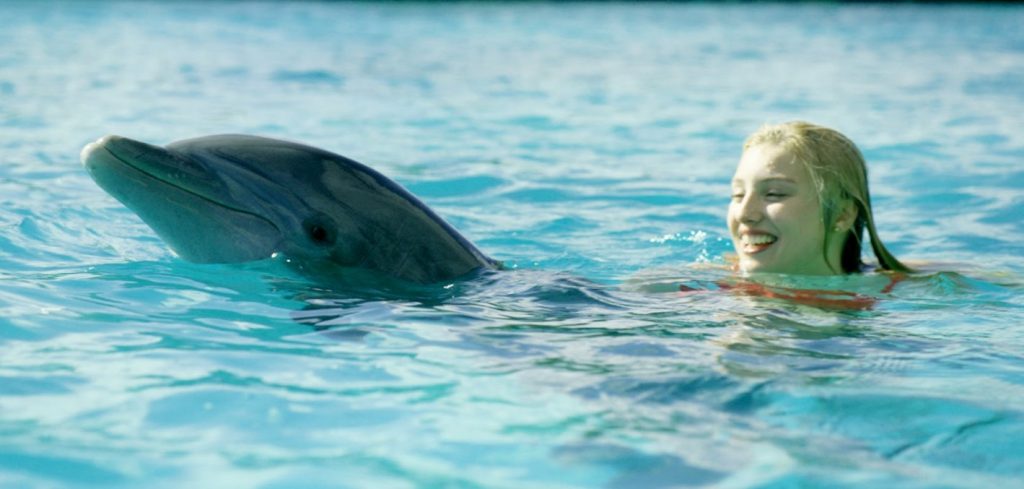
(121, 147)
(91, 148)
(127, 148)
(154, 160)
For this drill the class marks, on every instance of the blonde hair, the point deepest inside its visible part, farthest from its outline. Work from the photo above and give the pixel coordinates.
(839, 174)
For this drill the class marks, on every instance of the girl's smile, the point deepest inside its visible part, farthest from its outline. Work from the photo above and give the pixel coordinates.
(755, 241)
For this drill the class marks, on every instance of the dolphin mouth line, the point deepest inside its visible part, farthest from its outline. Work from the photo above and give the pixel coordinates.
(102, 147)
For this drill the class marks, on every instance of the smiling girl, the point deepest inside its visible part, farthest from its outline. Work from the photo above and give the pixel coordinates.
(800, 204)
(799, 208)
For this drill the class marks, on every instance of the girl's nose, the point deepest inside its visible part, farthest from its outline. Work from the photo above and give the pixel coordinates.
(750, 209)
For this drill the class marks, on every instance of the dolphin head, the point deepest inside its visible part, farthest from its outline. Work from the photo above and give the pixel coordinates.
(235, 198)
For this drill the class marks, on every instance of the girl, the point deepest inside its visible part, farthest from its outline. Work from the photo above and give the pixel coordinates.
(800, 204)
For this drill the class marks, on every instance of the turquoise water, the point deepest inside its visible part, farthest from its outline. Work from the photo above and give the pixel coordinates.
(587, 146)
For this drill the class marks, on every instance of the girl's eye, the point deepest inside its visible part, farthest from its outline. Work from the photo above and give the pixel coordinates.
(771, 194)
(737, 196)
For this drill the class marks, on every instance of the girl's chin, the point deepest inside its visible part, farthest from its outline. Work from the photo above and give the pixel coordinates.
(753, 265)
(748, 266)
(756, 268)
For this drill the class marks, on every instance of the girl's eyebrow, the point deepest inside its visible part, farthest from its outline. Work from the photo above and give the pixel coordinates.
(768, 180)
(778, 179)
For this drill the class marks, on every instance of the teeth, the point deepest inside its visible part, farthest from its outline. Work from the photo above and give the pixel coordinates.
(758, 239)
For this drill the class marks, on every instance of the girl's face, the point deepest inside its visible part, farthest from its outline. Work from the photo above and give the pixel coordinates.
(774, 217)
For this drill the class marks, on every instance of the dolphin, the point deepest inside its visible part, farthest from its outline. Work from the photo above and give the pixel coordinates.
(236, 198)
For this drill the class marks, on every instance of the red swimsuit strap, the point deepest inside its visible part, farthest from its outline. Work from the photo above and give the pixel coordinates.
(894, 278)
(832, 299)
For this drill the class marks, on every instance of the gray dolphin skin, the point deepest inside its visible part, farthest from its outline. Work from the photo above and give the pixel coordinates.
(237, 198)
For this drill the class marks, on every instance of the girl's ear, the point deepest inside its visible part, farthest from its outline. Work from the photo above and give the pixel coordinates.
(847, 216)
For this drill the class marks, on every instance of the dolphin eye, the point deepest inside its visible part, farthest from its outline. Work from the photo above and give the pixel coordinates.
(319, 233)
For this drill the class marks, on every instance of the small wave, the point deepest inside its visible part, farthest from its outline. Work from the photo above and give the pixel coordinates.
(309, 77)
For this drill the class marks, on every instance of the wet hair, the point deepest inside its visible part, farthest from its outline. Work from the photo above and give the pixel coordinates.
(839, 174)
